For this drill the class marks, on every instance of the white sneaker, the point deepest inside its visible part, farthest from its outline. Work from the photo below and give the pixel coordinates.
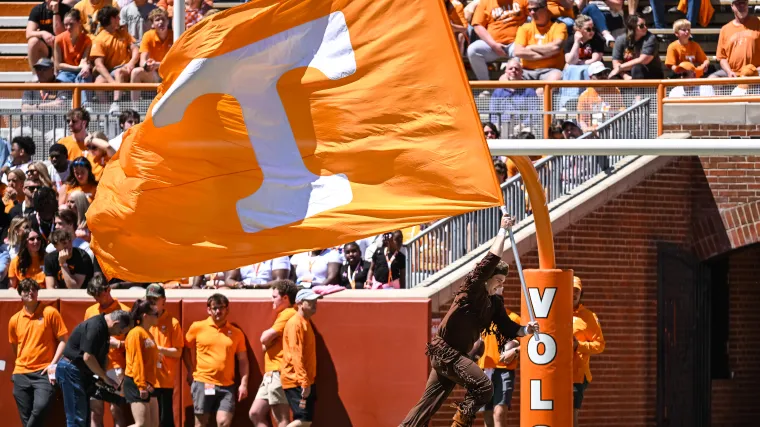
(115, 109)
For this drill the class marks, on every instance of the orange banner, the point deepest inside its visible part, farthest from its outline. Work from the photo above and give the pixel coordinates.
(546, 387)
(289, 125)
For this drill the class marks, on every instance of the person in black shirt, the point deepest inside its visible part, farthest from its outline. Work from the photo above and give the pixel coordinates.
(86, 355)
(388, 268)
(353, 273)
(46, 206)
(45, 22)
(67, 267)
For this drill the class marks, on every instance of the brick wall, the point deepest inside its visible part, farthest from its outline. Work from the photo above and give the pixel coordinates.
(716, 130)
(614, 251)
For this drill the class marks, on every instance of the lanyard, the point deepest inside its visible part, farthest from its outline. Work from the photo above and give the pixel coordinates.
(352, 276)
(389, 261)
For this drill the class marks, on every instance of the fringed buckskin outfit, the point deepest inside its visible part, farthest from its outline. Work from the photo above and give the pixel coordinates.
(472, 312)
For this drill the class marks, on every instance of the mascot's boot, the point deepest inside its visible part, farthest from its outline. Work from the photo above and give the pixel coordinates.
(461, 420)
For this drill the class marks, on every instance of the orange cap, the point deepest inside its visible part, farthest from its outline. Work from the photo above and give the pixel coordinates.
(748, 70)
(577, 283)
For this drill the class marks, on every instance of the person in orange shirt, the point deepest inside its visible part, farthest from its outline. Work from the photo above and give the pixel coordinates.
(458, 22)
(76, 144)
(72, 52)
(299, 361)
(28, 263)
(142, 359)
(100, 290)
(738, 42)
(686, 50)
(37, 336)
(89, 10)
(540, 44)
(500, 366)
(270, 394)
(115, 53)
(495, 22)
(153, 47)
(587, 340)
(604, 102)
(212, 346)
(81, 179)
(170, 341)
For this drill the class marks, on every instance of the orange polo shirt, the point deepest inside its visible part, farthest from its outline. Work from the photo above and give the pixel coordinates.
(215, 350)
(142, 355)
(156, 48)
(299, 362)
(117, 358)
(37, 336)
(492, 353)
(34, 271)
(587, 331)
(273, 355)
(167, 333)
(78, 149)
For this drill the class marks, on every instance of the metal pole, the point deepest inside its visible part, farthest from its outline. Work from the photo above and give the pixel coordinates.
(655, 147)
(178, 21)
(520, 272)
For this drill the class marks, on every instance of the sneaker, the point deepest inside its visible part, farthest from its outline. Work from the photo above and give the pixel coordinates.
(115, 109)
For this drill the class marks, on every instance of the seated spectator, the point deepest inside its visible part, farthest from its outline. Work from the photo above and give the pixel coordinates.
(168, 6)
(604, 101)
(58, 165)
(687, 70)
(81, 179)
(319, 267)
(194, 12)
(89, 10)
(388, 267)
(72, 52)
(14, 192)
(78, 203)
(353, 272)
(564, 11)
(44, 99)
(45, 22)
(738, 42)
(18, 226)
(114, 52)
(586, 48)
(613, 16)
(495, 23)
(99, 152)
(28, 263)
(540, 43)
(78, 120)
(458, 23)
(259, 275)
(154, 46)
(636, 54)
(67, 267)
(128, 118)
(686, 50)
(67, 219)
(748, 70)
(38, 171)
(135, 15)
(571, 130)
(509, 103)
(45, 206)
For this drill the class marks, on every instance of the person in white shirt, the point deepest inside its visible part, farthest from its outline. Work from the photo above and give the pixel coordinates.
(259, 275)
(58, 165)
(319, 267)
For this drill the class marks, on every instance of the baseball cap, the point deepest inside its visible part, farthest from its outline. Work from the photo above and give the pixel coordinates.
(577, 283)
(155, 291)
(748, 70)
(596, 68)
(567, 123)
(685, 66)
(307, 295)
(44, 63)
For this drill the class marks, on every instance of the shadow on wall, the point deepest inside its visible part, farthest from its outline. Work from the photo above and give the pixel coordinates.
(330, 410)
(710, 234)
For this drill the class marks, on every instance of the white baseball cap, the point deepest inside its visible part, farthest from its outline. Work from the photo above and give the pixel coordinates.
(596, 68)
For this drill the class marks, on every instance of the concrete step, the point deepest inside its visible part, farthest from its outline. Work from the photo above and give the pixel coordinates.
(15, 35)
(13, 21)
(14, 63)
(13, 49)
(16, 76)
(17, 8)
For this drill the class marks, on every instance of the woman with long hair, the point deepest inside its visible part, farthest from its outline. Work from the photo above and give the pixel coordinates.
(636, 54)
(78, 203)
(142, 359)
(81, 179)
(38, 170)
(28, 263)
(72, 51)
(19, 225)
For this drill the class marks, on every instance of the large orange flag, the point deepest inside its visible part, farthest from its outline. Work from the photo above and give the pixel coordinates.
(289, 125)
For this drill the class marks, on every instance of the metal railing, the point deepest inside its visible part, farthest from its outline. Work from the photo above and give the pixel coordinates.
(632, 123)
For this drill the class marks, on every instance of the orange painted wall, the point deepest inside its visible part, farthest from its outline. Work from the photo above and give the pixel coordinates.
(370, 353)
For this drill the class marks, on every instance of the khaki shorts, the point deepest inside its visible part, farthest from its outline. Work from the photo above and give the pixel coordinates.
(271, 389)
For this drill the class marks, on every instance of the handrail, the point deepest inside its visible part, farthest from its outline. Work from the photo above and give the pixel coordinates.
(711, 99)
(600, 131)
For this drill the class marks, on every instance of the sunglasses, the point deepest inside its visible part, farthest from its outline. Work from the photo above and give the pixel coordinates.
(589, 29)
(80, 163)
(32, 187)
(32, 239)
(534, 9)
(642, 26)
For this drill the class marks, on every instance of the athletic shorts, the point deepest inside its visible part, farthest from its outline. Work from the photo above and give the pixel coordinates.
(503, 386)
(132, 392)
(217, 398)
(294, 399)
(578, 391)
(271, 389)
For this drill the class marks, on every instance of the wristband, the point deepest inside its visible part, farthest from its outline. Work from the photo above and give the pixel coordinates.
(502, 232)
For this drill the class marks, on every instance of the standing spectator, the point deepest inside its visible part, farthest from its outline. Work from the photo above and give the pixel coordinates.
(539, 44)
(500, 365)
(388, 267)
(686, 70)
(22, 150)
(66, 219)
(636, 55)
(604, 101)
(168, 6)
(89, 10)
(170, 341)
(81, 179)
(18, 226)
(213, 345)
(45, 22)
(38, 337)
(353, 272)
(495, 22)
(587, 340)
(43, 219)
(28, 263)
(142, 360)
(68, 267)
(271, 396)
(511, 104)
(319, 267)
(154, 46)
(738, 42)
(72, 53)
(31, 185)
(5, 262)
(299, 365)
(84, 357)
(58, 165)
(38, 171)
(128, 118)
(99, 152)
(77, 202)
(78, 120)
(100, 290)
(114, 52)
(259, 275)
(134, 16)
(686, 50)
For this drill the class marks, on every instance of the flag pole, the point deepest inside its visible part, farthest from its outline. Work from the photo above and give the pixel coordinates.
(520, 273)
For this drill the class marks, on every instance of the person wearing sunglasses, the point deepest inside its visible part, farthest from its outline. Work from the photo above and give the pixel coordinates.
(28, 263)
(637, 53)
(142, 360)
(81, 179)
(495, 22)
(539, 44)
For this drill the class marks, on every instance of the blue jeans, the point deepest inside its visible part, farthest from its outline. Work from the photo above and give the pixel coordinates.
(572, 72)
(76, 404)
(593, 12)
(692, 12)
(658, 13)
(70, 77)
